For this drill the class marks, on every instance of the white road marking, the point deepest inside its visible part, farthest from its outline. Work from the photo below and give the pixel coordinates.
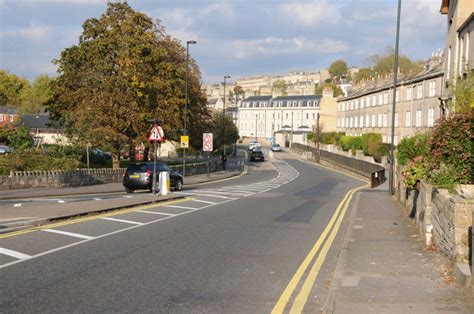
(201, 201)
(61, 201)
(123, 220)
(207, 195)
(17, 205)
(71, 234)
(154, 213)
(14, 254)
(223, 192)
(127, 196)
(182, 207)
(97, 199)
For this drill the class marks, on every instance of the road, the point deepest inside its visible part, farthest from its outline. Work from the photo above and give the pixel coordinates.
(246, 245)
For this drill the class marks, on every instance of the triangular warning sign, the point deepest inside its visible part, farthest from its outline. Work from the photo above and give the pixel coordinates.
(156, 134)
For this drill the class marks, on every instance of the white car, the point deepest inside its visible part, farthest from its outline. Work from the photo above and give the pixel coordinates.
(253, 144)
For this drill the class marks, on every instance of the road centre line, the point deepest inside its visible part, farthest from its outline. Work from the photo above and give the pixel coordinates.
(155, 213)
(17, 205)
(286, 295)
(71, 234)
(14, 254)
(122, 220)
(223, 192)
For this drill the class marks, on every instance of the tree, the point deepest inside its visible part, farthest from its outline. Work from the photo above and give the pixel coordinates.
(338, 69)
(463, 93)
(364, 74)
(239, 92)
(35, 98)
(220, 124)
(383, 64)
(124, 71)
(281, 86)
(337, 91)
(17, 137)
(11, 87)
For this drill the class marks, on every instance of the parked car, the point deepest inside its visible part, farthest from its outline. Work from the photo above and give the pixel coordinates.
(139, 176)
(276, 148)
(253, 144)
(4, 149)
(257, 154)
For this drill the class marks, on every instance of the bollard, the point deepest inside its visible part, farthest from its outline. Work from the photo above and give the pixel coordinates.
(164, 183)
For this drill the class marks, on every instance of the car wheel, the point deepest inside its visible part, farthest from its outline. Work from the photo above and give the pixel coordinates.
(179, 185)
(129, 190)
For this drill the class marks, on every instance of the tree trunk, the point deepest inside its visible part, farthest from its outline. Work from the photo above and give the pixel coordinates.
(116, 160)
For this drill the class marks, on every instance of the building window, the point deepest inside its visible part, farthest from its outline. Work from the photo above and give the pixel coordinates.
(368, 101)
(419, 91)
(367, 121)
(380, 99)
(350, 122)
(379, 120)
(432, 91)
(430, 117)
(347, 122)
(362, 103)
(418, 118)
(352, 105)
(385, 120)
(409, 93)
(374, 100)
(385, 98)
(300, 103)
(357, 104)
(408, 119)
(373, 121)
(361, 123)
(356, 122)
(396, 119)
(307, 116)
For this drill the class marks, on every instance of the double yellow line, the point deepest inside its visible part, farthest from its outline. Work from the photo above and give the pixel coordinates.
(325, 240)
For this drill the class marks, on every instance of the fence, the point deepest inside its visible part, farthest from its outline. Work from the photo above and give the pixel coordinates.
(374, 172)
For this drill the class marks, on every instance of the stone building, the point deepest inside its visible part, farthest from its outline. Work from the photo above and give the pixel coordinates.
(263, 116)
(369, 109)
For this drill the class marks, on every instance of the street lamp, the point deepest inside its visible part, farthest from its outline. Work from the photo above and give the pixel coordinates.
(185, 130)
(223, 117)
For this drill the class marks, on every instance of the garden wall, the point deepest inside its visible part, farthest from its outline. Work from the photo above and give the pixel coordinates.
(81, 177)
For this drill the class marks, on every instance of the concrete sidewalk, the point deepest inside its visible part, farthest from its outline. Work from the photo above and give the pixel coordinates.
(385, 268)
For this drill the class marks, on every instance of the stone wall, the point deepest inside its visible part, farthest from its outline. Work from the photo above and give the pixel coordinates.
(81, 177)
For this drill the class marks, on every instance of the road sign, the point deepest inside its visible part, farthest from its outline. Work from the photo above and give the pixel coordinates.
(156, 134)
(184, 141)
(207, 142)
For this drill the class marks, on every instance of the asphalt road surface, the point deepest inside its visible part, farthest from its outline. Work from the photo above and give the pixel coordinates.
(249, 245)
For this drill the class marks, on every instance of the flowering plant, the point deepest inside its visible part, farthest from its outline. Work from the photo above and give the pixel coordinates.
(413, 172)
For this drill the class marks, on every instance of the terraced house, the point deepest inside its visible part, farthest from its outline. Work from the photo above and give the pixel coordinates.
(368, 109)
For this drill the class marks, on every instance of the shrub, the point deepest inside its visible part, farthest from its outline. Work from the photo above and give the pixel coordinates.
(36, 160)
(411, 147)
(444, 177)
(17, 137)
(356, 144)
(331, 137)
(451, 145)
(371, 143)
(413, 172)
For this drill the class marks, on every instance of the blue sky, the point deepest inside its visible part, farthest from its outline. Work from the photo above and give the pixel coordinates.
(235, 37)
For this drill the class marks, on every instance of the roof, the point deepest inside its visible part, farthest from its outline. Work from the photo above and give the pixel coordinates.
(434, 71)
(444, 7)
(8, 110)
(258, 98)
(466, 22)
(299, 97)
(31, 121)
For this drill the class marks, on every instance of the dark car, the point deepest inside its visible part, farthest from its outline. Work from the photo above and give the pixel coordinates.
(257, 154)
(140, 176)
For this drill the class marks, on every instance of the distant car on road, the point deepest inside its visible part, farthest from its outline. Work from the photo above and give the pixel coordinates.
(276, 148)
(4, 149)
(253, 144)
(140, 176)
(257, 154)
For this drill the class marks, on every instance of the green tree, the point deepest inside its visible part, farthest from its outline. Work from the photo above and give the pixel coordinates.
(281, 86)
(464, 94)
(335, 88)
(34, 99)
(222, 124)
(364, 74)
(17, 137)
(239, 92)
(383, 64)
(124, 71)
(338, 69)
(11, 88)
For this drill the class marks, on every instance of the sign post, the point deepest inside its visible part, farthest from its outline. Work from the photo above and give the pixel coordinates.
(207, 146)
(156, 135)
(184, 141)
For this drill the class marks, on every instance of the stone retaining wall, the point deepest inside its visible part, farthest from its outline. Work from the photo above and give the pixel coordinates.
(81, 177)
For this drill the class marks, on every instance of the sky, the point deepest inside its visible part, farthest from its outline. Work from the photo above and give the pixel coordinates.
(239, 38)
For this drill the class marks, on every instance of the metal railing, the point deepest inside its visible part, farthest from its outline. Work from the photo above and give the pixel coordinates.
(374, 172)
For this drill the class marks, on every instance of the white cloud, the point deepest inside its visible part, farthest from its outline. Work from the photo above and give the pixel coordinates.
(221, 9)
(280, 46)
(36, 32)
(312, 13)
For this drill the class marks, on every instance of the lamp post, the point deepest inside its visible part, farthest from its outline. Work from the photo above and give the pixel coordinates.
(223, 118)
(395, 72)
(185, 130)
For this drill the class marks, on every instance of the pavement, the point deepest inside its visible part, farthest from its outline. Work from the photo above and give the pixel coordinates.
(83, 200)
(384, 266)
